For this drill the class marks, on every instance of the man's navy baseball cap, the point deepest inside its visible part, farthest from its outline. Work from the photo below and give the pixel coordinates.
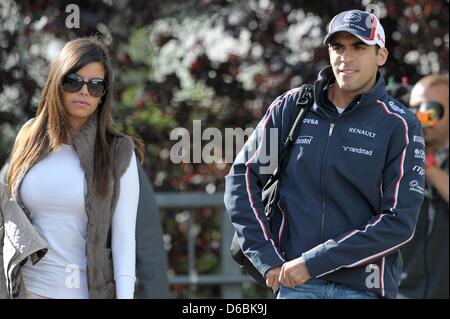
(361, 24)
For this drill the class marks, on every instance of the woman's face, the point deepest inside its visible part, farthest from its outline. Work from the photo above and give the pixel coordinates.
(81, 104)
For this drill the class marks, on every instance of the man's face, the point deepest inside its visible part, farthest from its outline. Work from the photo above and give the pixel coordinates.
(354, 63)
(438, 133)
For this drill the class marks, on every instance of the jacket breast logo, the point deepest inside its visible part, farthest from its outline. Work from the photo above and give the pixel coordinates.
(355, 130)
(303, 140)
(311, 121)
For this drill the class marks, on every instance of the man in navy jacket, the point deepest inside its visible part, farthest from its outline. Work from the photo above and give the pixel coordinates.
(353, 184)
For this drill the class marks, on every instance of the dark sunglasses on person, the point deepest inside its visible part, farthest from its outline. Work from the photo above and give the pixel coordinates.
(429, 113)
(73, 82)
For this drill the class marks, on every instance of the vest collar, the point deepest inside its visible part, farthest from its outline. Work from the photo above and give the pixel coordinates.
(84, 144)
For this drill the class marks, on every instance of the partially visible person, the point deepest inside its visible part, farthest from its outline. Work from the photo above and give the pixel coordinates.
(151, 258)
(426, 268)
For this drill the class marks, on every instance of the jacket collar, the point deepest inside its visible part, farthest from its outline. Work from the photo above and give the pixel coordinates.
(84, 144)
(326, 75)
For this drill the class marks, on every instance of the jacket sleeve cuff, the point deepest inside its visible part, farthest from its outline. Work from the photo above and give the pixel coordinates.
(267, 260)
(317, 262)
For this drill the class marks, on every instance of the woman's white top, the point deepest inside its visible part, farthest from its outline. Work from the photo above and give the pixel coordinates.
(53, 192)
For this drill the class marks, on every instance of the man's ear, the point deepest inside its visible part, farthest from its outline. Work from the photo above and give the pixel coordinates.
(382, 56)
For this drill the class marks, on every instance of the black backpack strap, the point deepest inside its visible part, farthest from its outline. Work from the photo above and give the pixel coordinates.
(270, 190)
(304, 103)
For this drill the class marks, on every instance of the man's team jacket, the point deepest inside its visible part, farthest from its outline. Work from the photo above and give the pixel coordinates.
(350, 194)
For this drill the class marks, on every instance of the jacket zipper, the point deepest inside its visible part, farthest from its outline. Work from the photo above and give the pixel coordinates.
(12, 289)
(322, 182)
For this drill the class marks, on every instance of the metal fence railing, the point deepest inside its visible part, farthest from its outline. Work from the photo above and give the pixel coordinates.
(230, 277)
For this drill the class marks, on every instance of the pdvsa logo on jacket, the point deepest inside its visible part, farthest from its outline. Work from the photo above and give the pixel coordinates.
(311, 121)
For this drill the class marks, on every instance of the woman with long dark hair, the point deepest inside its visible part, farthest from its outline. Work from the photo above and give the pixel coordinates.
(76, 178)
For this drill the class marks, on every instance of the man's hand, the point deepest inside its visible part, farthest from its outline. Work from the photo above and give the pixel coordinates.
(272, 278)
(294, 273)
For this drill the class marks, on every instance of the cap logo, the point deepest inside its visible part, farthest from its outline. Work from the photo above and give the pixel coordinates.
(352, 17)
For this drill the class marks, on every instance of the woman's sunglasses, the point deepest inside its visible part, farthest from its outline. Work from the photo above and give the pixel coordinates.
(73, 83)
